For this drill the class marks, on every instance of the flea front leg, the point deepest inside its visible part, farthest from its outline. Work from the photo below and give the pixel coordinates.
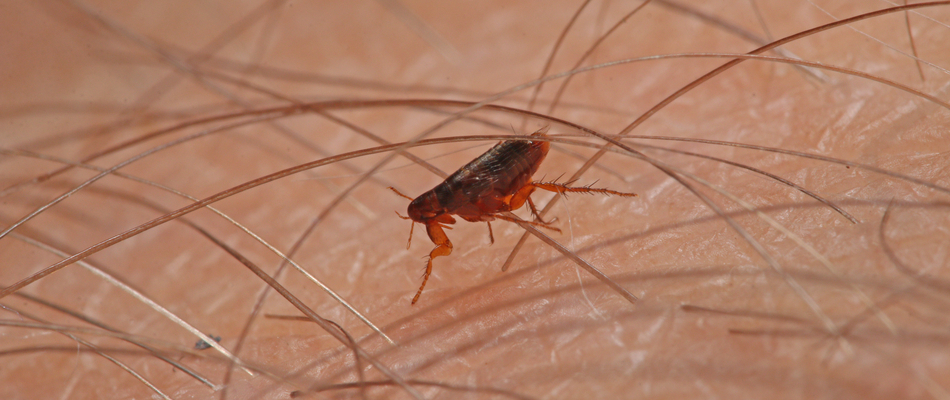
(443, 247)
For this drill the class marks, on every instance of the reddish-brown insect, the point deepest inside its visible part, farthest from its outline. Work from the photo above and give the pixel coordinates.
(495, 182)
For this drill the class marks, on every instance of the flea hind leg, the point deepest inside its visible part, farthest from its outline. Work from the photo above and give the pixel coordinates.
(443, 247)
(561, 188)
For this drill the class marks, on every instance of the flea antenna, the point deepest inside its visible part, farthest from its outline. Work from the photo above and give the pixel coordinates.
(400, 193)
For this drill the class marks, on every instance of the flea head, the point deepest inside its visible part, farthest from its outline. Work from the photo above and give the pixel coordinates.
(425, 207)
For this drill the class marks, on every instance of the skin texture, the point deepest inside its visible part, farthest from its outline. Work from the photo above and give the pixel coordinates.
(714, 319)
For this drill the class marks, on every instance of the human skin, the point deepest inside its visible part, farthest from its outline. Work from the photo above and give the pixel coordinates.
(714, 318)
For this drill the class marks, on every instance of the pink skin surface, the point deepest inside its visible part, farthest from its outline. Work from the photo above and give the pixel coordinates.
(714, 319)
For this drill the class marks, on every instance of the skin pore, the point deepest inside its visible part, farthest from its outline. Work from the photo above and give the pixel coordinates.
(817, 306)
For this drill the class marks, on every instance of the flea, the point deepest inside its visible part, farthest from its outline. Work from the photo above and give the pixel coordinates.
(497, 181)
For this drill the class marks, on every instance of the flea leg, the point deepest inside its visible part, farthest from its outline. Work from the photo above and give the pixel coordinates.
(490, 236)
(534, 212)
(538, 224)
(412, 227)
(443, 247)
(519, 198)
(563, 188)
(517, 201)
